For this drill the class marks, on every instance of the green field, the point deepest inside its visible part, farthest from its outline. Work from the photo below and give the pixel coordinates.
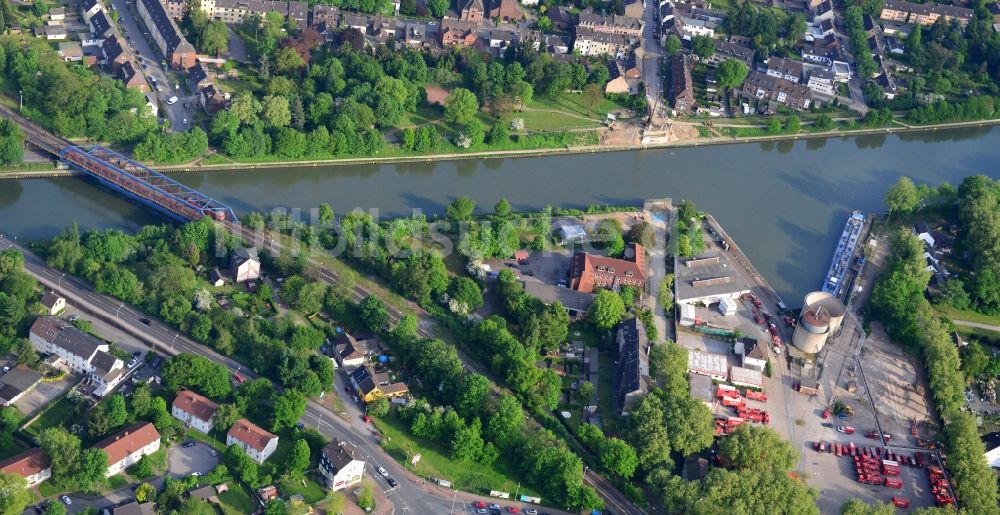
(549, 121)
(967, 315)
(434, 461)
(56, 415)
(236, 500)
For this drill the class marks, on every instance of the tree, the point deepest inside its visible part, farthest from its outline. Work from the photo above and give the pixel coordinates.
(592, 96)
(902, 196)
(757, 448)
(461, 106)
(619, 457)
(466, 291)
(91, 468)
(142, 400)
(215, 38)
(117, 411)
(585, 392)
(145, 492)
(288, 409)
(672, 45)
(606, 310)
(823, 121)
(196, 372)
(143, 469)
(856, 507)
(668, 363)
(298, 458)
(14, 494)
(472, 393)
(460, 209)
(974, 360)
(796, 27)
(288, 61)
(63, 450)
(226, 416)
(366, 499)
(373, 314)
(378, 408)
(506, 425)
(731, 73)
(703, 46)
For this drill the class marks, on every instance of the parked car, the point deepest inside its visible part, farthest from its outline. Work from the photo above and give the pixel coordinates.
(213, 452)
(367, 419)
(531, 511)
(136, 354)
(74, 318)
(67, 500)
(188, 445)
(494, 506)
(479, 504)
(238, 378)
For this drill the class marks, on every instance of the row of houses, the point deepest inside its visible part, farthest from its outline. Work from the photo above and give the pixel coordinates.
(73, 350)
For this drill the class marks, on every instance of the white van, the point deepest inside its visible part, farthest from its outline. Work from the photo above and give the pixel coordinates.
(172, 100)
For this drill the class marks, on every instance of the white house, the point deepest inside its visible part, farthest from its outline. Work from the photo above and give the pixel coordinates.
(53, 303)
(348, 352)
(923, 233)
(77, 352)
(88, 8)
(33, 465)
(129, 446)
(754, 355)
(341, 465)
(194, 410)
(822, 81)
(245, 265)
(255, 441)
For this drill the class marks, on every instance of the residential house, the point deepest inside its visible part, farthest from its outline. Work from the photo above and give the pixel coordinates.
(213, 99)
(681, 91)
(100, 25)
(894, 46)
(135, 508)
(371, 385)
(556, 44)
(632, 366)
(57, 13)
(129, 74)
(114, 53)
(33, 465)
(614, 24)
(730, 50)
(589, 42)
(126, 448)
(53, 303)
(17, 382)
(635, 8)
(458, 33)
(244, 265)
(784, 68)
(175, 49)
(841, 70)
(823, 11)
(51, 32)
(349, 352)
(589, 271)
(198, 77)
(690, 28)
(255, 441)
(71, 51)
(196, 411)
(772, 91)
(923, 14)
(341, 464)
(624, 76)
(328, 15)
(215, 278)
(88, 39)
(77, 351)
(175, 8)
(562, 18)
(823, 82)
(298, 12)
(88, 8)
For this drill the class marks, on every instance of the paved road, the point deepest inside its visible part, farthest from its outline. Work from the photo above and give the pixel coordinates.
(652, 51)
(151, 62)
(979, 325)
(413, 494)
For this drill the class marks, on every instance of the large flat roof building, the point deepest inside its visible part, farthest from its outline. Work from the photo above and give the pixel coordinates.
(708, 279)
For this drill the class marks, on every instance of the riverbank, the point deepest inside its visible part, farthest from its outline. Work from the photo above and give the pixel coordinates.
(20, 173)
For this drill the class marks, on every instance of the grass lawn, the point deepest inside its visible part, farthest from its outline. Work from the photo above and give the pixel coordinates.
(424, 115)
(216, 443)
(59, 412)
(434, 461)
(311, 491)
(236, 500)
(573, 103)
(116, 482)
(967, 315)
(984, 335)
(549, 121)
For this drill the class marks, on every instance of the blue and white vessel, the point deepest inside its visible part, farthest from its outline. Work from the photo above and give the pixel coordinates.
(845, 250)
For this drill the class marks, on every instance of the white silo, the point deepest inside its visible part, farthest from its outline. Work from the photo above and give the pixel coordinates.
(822, 315)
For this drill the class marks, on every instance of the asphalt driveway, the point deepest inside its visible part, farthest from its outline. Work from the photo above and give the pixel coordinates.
(182, 462)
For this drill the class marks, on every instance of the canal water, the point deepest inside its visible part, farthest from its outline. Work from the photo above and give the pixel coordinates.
(785, 203)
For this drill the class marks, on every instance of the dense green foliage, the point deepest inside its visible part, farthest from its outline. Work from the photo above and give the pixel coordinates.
(19, 293)
(70, 99)
(11, 143)
(898, 300)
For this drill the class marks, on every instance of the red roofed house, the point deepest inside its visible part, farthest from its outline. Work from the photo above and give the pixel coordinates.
(127, 447)
(194, 410)
(256, 442)
(589, 271)
(33, 465)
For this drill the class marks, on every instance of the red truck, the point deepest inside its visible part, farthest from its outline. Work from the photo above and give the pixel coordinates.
(900, 502)
(731, 402)
(892, 482)
(754, 415)
(727, 391)
(757, 396)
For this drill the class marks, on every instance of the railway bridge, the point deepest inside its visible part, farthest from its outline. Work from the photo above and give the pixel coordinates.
(125, 175)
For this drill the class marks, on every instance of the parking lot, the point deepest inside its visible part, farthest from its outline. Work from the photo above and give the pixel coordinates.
(897, 390)
(184, 461)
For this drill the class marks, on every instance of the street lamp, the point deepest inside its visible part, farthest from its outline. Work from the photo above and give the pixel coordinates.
(20, 100)
(172, 341)
(59, 284)
(119, 310)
